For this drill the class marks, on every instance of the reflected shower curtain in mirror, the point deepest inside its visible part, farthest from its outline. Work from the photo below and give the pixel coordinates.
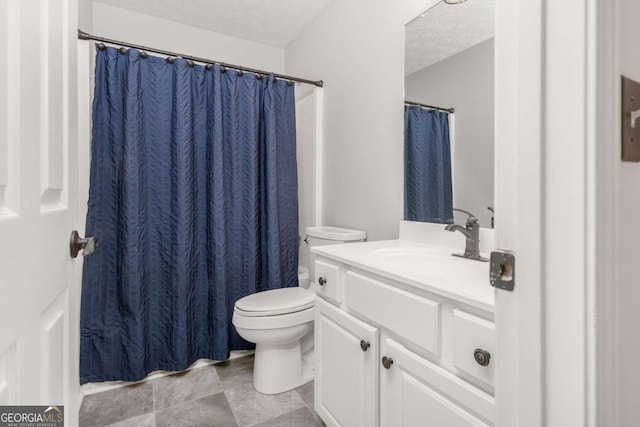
(428, 194)
(193, 202)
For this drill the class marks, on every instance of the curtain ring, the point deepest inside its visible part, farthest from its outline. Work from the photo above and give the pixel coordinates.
(190, 63)
(290, 82)
(208, 67)
(143, 54)
(239, 73)
(170, 60)
(101, 46)
(259, 76)
(123, 50)
(223, 69)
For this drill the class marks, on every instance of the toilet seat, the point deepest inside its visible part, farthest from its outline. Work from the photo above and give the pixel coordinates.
(254, 323)
(275, 302)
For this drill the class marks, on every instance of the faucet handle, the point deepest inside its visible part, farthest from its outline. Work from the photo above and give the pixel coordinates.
(492, 216)
(472, 218)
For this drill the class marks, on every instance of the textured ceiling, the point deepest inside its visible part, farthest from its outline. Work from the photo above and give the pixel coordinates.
(272, 22)
(445, 30)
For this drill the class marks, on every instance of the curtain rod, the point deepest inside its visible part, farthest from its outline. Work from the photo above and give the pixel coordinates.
(86, 36)
(433, 107)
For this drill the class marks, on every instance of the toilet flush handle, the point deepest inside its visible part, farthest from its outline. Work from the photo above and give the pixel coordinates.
(322, 281)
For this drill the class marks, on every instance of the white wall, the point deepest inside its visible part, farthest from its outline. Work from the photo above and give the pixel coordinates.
(305, 117)
(356, 47)
(121, 24)
(465, 82)
(85, 15)
(628, 290)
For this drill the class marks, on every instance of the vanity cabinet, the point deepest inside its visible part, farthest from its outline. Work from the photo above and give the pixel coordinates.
(390, 356)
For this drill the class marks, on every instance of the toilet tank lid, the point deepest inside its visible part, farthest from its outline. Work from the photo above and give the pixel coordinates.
(336, 233)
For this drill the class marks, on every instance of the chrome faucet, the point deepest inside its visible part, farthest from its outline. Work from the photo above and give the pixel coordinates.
(471, 232)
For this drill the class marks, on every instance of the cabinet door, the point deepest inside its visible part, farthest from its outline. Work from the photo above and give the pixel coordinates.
(416, 392)
(346, 371)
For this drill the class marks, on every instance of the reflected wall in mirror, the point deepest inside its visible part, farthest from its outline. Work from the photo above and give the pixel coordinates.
(449, 61)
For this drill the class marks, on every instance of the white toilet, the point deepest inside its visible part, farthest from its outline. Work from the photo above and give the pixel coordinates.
(280, 321)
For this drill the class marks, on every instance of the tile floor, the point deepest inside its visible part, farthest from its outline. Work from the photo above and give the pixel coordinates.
(215, 395)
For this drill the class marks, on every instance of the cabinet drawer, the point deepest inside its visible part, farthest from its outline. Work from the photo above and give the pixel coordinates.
(329, 275)
(412, 317)
(470, 333)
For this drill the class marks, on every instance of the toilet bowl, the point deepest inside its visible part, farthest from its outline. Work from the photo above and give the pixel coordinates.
(276, 321)
(280, 322)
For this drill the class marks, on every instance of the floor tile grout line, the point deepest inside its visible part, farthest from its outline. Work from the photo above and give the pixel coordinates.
(186, 401)
(231, 407)
(190, 400)
(286, 413)
(316, 417)
(281, 415)
(239, 385)
(130, 418)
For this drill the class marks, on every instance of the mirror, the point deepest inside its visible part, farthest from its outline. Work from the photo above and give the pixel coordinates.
(449, 157)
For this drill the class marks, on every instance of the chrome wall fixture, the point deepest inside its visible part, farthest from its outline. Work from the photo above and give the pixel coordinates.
(191, 59)
(432, 107)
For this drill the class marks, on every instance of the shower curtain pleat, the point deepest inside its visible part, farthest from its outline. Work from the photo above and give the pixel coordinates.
(428, 193)
(193, 202)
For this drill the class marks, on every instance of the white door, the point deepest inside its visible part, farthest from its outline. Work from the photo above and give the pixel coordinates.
(546, 56)
(38, 204)
(346, 383)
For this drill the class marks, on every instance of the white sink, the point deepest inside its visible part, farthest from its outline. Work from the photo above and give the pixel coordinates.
(407, 255)
(433, 264)
(409, 260)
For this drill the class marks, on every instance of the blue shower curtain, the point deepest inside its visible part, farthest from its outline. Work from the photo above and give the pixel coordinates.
(193, 202)
(428, 194)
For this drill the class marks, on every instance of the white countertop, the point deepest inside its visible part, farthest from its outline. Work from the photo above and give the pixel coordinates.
(422, 265)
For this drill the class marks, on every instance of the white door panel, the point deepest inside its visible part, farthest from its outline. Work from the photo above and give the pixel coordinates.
(9, 108)
(38, 204)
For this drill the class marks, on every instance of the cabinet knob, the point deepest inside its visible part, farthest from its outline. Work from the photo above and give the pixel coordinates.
(482, 356)
(364, 345)
(387, 362)
(322, 281)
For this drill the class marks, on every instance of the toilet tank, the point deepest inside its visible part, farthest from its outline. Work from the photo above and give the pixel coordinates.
(324, 235)
(303, 277)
